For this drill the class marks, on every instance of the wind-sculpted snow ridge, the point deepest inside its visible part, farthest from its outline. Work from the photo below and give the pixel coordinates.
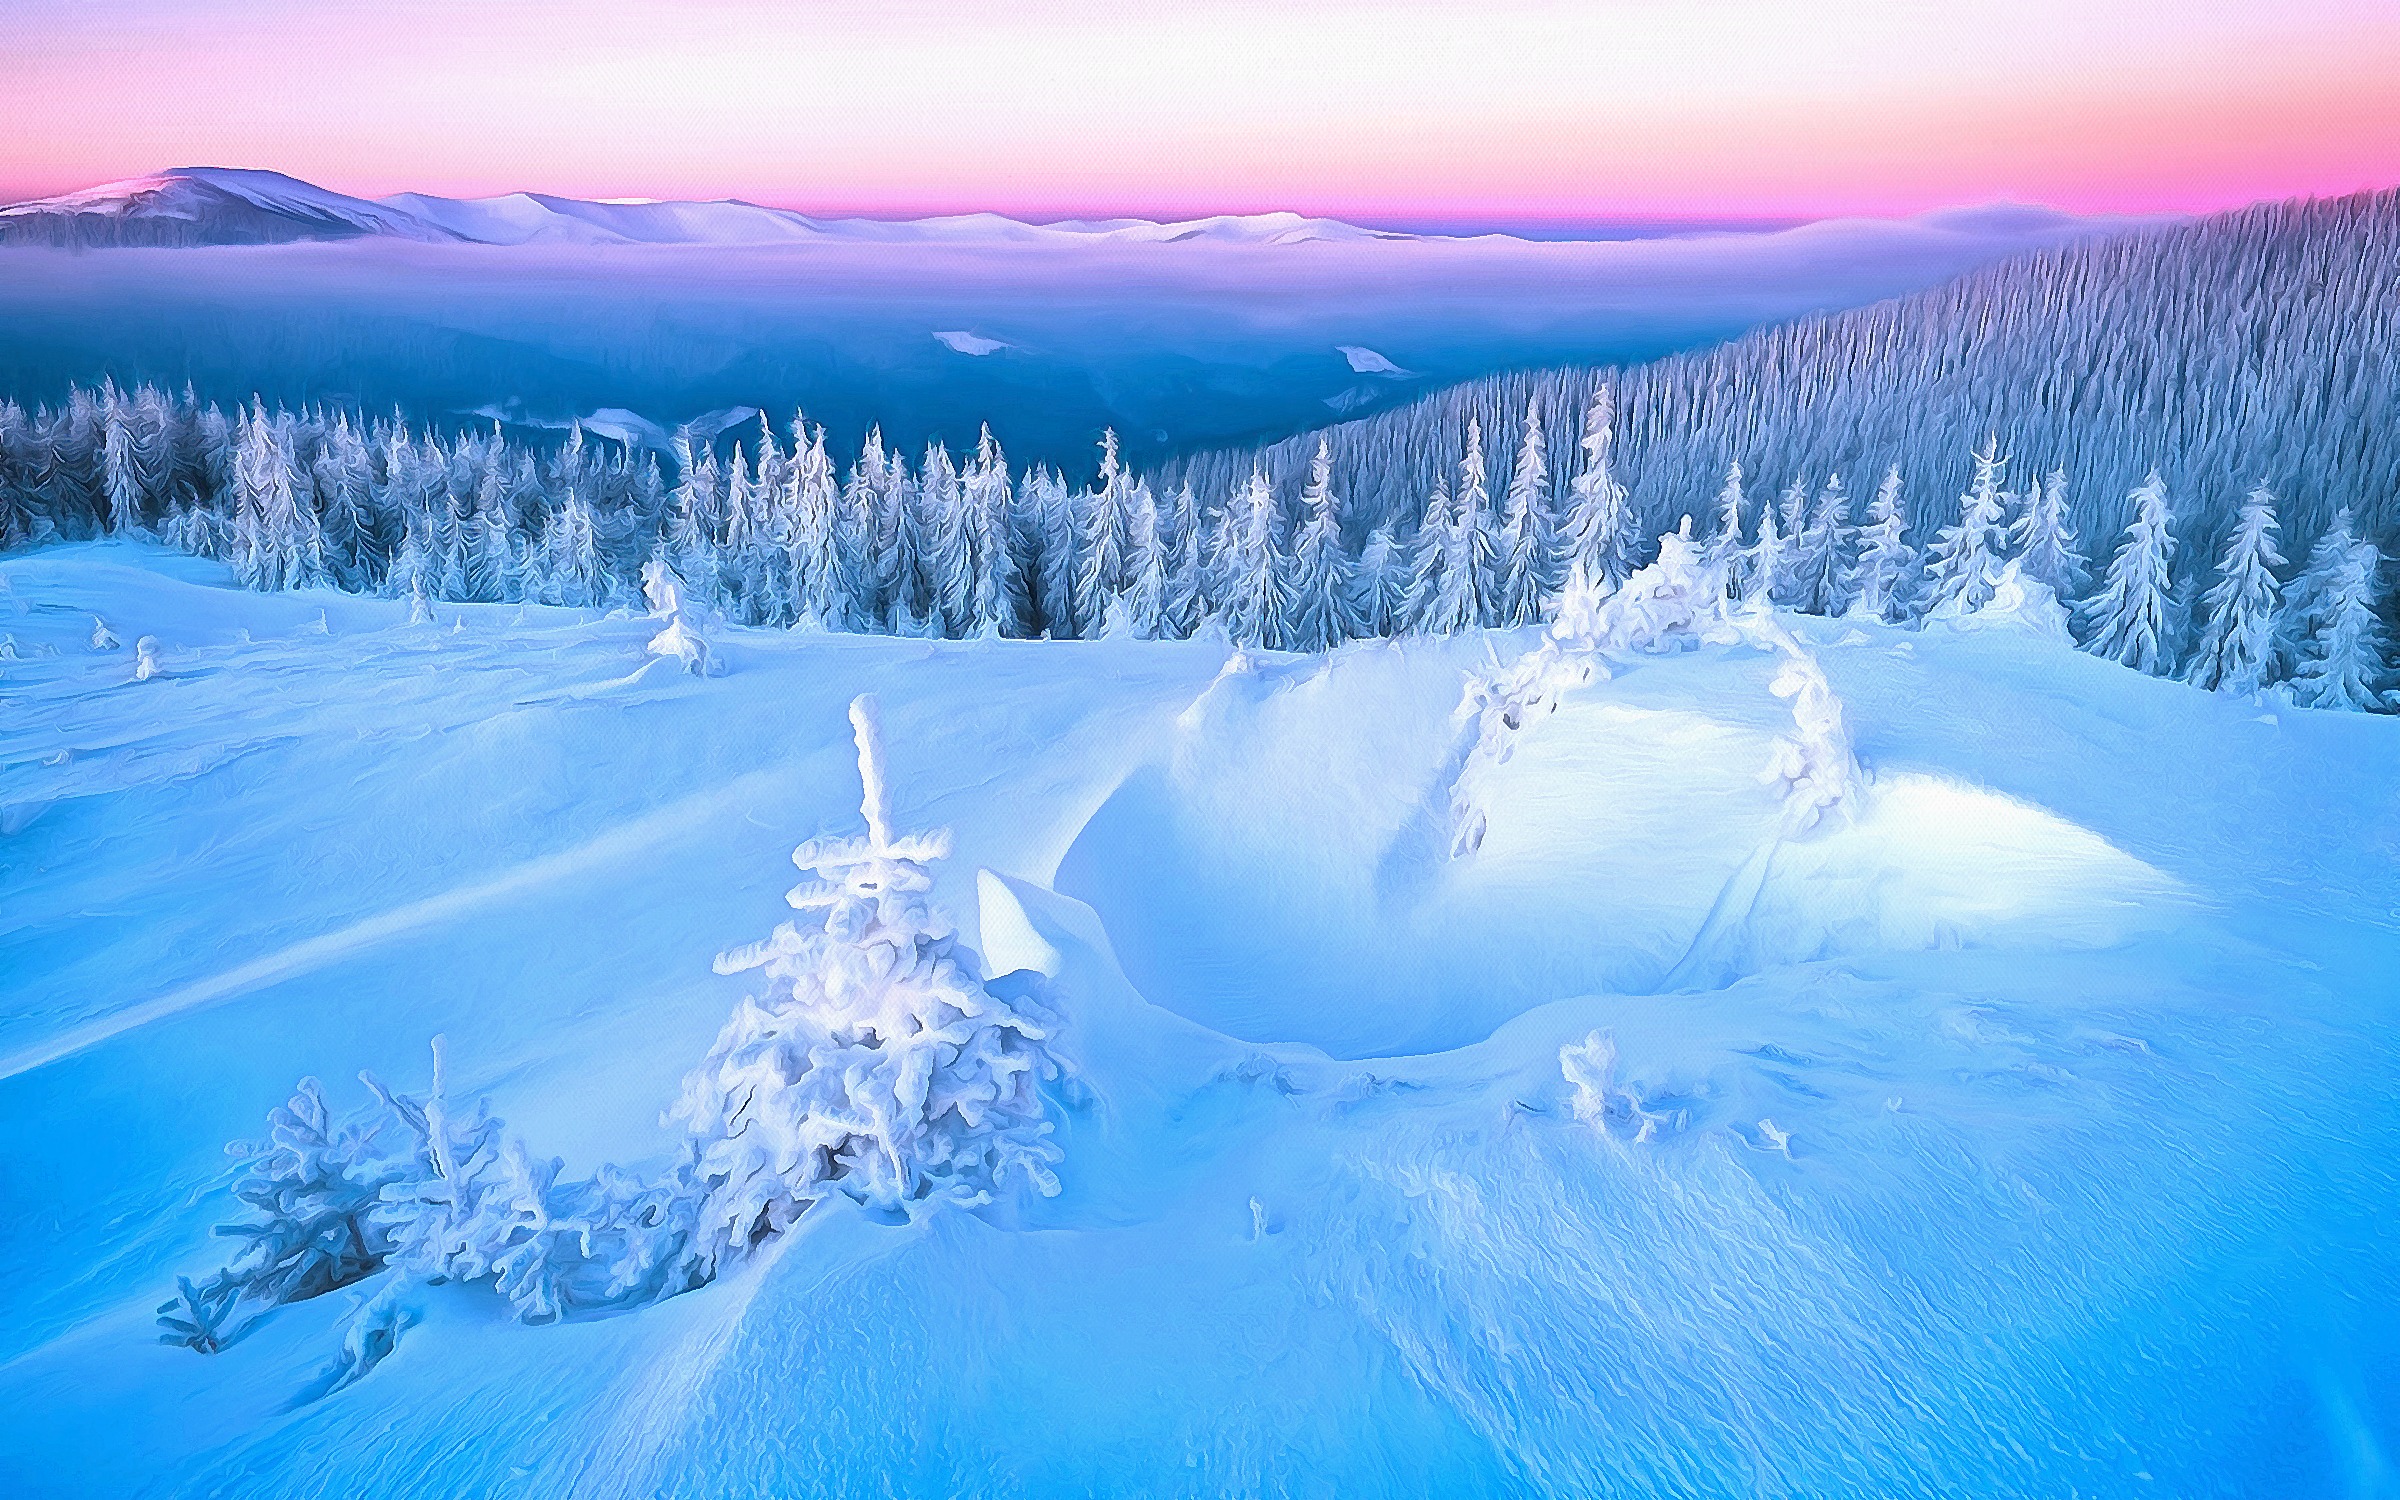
(1675, 603)
(877, 1066)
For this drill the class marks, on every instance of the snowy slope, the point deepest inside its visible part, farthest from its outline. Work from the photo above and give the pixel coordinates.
(2031, 1133)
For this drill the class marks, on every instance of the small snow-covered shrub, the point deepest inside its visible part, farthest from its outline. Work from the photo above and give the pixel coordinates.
(1600, 1098)
(311, 1192)
(2019, 602)
(876, 1064)
(680, 639)
(1813, 768)
(1671, 605)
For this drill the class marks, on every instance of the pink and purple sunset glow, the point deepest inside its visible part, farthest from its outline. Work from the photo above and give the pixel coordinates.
(1392, 113)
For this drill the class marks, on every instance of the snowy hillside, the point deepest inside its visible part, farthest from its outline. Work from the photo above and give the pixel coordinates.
(1738, 1055)
(187, 206)
(2254, 346)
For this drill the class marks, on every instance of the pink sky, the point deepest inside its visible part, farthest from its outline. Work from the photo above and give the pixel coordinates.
(1392, 112)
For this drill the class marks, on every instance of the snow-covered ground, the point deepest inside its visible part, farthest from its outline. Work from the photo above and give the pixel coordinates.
(2031, 1128)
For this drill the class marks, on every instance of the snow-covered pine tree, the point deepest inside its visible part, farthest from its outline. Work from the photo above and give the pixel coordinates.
(2342, 662)
(1107, 560)
(1142, 608)
(866, 551)
(1472, 576)
(999, 604)
(2237, 644)
(818, 577)
(878, 1063)
(2305, 601)
(680, 638)
(154, 441)
(1963, 564)
(1887, 563)
(2127, 620)
(578, 573)
(1381, 586)
(950, 543)
(1184, 608)
(1429, 565)
(1323, 611)
(1256, 604)
(1725, 547)
(1601, 537)
(120, 477)
(277, 543)
(343, 478)
(2044, 537)
(1766, 567)
(1527, 565)
(907, 597)
(310, 1193)
(1051, 517)
(1821, 555)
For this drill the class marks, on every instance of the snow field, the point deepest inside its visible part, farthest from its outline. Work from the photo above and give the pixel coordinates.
(2023, 1128)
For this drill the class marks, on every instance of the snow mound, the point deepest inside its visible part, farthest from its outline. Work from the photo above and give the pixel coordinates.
(1306, 872)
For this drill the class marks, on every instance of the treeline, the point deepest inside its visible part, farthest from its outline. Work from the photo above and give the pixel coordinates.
(778, 534)
(2248, 347)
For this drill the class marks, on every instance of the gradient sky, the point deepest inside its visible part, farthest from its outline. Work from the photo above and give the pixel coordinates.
(1500, 110)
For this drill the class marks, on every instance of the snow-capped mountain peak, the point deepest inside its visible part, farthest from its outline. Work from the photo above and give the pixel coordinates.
(207, 206)
(237, 206)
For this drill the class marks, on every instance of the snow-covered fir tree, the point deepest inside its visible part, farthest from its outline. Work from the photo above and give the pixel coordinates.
(1107, 563)
(1428, 563)
(1887, 563)
(1725, 544)
(1963, 564)
(1467, 596)
(2341, 662)
(1602, 539)
(1766, 565)
(1819, 574)
(2306, 601)
(1323, 608)
(877, 1064)
(2043, 535)
(2127, 620)
(1382, 585)
(1527, 563)
(1256, 606)
(2237, 642)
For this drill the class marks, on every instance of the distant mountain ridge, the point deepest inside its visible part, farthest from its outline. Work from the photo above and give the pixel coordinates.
(193, 206)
